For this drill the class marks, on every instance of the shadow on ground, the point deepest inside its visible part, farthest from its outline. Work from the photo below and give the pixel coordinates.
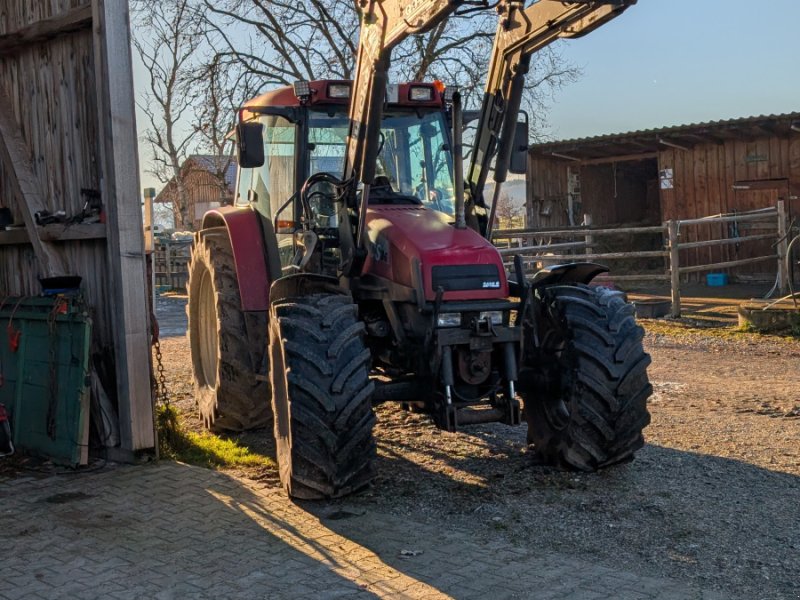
(713, 521)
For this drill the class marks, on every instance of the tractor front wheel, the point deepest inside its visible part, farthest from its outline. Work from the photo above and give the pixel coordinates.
(322, 396)
(584, 378)
(228, 345)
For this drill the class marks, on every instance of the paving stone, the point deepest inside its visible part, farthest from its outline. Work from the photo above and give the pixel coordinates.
(174, 531)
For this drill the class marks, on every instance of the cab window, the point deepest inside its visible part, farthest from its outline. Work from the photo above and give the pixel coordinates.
(274, 182)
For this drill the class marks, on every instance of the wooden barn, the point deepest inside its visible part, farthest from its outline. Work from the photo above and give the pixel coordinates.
(683, 172)
(70, 207)
(209, 182)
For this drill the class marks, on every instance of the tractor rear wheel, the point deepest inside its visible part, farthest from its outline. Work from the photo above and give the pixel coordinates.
(321, 396)
(228, 345)
(585, 382)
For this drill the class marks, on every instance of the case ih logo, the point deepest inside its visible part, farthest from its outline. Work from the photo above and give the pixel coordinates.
(491, 285)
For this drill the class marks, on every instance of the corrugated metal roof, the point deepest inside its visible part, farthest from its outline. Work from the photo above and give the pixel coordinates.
(649, 138)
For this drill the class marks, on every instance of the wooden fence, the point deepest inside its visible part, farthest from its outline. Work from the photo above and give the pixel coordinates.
(171, 260)
(540, 247)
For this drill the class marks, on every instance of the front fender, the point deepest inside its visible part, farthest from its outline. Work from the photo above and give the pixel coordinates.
(304, 284)
(572, 273)
(256, 261)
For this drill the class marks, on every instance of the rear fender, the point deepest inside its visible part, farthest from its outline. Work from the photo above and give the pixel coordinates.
(304, 284)
(255, 252)
(565, 274)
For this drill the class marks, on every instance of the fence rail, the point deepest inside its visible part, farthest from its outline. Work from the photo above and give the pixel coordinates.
(528, 244)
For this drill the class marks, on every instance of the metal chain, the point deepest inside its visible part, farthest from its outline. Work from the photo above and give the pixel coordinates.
(160, 380)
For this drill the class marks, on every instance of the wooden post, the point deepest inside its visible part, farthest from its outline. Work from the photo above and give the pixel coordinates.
(168, 263)
(119, 166)
(674, 267)
(783, 248)
(587, 221)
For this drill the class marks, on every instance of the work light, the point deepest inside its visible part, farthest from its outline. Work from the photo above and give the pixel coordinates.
(339, 90)
(302, 89)
(421, 94)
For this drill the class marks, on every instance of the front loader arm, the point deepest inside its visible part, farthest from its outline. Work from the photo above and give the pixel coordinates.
(521, 33)
(384, 25)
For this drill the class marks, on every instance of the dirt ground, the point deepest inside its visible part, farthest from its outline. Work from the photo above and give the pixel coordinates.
(713, 498)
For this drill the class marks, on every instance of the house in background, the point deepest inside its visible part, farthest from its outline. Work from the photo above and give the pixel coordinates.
(684, 172)
(209, 181)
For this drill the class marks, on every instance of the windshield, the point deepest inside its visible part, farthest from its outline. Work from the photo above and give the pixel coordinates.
(415, 157)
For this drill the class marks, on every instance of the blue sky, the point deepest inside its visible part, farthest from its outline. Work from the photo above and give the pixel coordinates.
(669, 62)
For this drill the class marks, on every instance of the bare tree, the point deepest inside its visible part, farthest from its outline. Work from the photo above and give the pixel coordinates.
(206, 57)
(221, 86)
(506, 211)
(282, 41)
(170, 50)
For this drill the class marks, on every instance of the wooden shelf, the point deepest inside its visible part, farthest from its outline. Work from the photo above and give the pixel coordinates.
(55, 233)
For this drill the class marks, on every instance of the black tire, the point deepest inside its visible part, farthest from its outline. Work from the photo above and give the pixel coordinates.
(585, 385)
(321, 397)
(228, 345)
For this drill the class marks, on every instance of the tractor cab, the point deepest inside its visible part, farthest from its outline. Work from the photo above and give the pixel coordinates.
(302, 131)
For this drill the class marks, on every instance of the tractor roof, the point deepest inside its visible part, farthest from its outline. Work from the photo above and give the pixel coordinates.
(324, 92)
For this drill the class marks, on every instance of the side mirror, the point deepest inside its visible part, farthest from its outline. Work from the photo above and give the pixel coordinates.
(519, 153)
(250, 142)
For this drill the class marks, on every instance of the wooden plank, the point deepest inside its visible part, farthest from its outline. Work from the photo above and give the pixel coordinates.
(793, 205)
(642, 277)
(606, 256)
(783, 248)
(543, 248)
(729, 198)
(728, 265)
(40, 31)
(577, 232)
(666, 160)
(55, 233)
(723, 242)
(674, 268)
(26, 187)
(765, 184)
(715, 183)
(120, 191)
(767, 214)
(622, 158)
(701, 197)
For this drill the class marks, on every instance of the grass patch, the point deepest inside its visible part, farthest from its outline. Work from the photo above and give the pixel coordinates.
(202, 449)
(679, 327)
(705, 329)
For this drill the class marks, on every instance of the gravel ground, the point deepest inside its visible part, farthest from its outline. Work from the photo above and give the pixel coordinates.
(714, 497)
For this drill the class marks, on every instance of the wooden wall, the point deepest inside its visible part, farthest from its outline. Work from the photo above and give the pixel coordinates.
(67, 123)
(205, 191)
(547, 192)
(705, 181)
(705, 178)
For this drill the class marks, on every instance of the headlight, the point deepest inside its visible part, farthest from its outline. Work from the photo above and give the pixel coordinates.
(421, 94)
(495, 316)
(339, 90)
(449, 320)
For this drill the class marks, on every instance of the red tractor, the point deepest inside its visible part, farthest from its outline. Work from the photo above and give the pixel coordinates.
(356, 269)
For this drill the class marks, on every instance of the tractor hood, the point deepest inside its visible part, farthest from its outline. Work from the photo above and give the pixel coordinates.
(460, 261)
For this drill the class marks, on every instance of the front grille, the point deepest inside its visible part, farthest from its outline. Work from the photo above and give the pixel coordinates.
(455, 278)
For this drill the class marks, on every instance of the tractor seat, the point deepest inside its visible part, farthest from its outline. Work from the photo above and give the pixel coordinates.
(381, 181)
